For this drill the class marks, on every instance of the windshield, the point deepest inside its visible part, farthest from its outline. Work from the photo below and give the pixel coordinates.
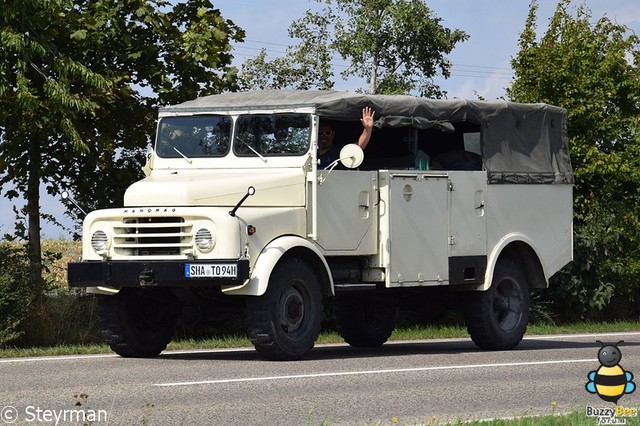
(192, 137)
(272, 134)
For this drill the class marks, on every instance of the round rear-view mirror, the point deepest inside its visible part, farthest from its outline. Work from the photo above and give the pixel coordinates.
(351, 156)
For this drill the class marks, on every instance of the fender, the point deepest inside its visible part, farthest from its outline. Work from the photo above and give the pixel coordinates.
(497, 251)
(267, 260)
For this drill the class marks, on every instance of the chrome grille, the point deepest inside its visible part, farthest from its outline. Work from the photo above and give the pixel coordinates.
(153, 236)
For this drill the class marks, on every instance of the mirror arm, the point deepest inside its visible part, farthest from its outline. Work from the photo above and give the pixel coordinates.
(250, 191)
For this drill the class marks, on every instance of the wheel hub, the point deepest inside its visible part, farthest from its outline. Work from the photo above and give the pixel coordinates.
(292, 310)
(507, 305)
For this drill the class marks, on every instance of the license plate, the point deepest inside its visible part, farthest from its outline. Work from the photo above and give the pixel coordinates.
(220, 270)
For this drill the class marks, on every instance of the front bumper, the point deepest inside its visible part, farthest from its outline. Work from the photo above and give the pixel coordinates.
(118, 274)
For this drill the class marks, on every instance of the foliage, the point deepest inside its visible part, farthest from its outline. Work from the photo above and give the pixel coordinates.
(63, 316)
(62, 252)
(32, 315)
(20, 300)
(591, 69)
(15, 294)
(305, 66)
(397, 45)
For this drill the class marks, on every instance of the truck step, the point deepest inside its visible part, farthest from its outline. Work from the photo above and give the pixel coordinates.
(344, 287)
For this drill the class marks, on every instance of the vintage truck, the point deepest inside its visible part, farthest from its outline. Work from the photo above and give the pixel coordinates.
(452, 200)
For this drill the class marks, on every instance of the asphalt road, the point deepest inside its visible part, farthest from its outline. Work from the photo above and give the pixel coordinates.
(402, 383)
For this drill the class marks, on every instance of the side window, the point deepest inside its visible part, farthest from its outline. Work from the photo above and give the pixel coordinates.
(457, 150)
(435, 148)
(472, 142)
(389, 148)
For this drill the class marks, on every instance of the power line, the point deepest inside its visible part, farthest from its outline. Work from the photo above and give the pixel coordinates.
(474, 68)
(495, 77)
(480, 72)
(267, 42)
(259, 48)
(499, 74)
(253, 56)
(483, 66)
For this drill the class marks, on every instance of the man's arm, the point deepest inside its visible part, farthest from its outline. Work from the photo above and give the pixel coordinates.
(367, 124)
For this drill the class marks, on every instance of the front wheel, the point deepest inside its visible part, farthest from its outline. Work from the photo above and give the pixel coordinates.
(284, 323)
(497, 318)
(137, 324)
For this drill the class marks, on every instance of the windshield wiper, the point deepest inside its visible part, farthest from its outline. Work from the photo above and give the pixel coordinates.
(256, 152)
(183, 156)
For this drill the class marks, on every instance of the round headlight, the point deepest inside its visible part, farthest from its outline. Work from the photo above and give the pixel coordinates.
(99, 241)
(205, 240)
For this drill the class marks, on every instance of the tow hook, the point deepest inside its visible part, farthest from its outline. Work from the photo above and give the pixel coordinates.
(147, 278)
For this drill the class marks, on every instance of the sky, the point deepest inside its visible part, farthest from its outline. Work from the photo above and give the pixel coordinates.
(481, 65)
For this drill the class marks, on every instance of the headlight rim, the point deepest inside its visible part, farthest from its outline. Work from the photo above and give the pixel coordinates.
(211, 238)
(100, 241)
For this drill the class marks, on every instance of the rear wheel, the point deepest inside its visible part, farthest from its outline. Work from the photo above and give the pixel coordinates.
(497, 318)
(284, 323)
(136, 323)
(365, 322)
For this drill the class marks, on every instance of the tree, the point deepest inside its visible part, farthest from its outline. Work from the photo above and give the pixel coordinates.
(397, 45)
(591, 69)
(304, 66)
(79, 81)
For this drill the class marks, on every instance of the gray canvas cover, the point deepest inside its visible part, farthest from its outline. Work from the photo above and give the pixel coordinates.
(521, 143)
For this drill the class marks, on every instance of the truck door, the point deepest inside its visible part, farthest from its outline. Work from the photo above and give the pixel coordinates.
(347, 203)
(417, 228)
(467, 227)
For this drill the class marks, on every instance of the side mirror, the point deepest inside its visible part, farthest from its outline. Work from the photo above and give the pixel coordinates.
(149, 163)
(66, 196)
(351, 156)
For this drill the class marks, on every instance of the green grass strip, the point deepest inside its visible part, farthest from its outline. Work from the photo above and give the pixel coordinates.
(575, 418)
(411, 333)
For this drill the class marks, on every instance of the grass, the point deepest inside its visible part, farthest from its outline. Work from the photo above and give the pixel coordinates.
(575, 418)
(236, 341)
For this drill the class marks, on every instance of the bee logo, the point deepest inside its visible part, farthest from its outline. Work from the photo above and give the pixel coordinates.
(610, 381)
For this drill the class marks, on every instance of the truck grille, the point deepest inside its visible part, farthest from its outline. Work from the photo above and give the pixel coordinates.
(153, 236)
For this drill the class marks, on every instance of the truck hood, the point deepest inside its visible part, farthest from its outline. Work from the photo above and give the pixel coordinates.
(274, 188)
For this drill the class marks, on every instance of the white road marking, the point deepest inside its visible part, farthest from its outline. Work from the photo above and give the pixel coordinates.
(599, 336)
(56, 358)
(81, 357)
(372, 372)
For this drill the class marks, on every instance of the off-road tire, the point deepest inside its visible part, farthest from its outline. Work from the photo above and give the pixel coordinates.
(497, 318)
(365, 322)
(284, 323)
(136, 326)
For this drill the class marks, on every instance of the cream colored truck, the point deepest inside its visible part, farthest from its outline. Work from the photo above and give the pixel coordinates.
(468, 202)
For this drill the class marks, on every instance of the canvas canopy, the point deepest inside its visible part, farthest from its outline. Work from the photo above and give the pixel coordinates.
(521, 143)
